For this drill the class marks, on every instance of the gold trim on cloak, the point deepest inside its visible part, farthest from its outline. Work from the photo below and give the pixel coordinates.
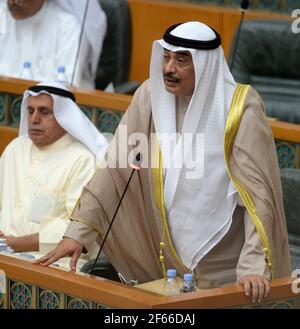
(232, 125)
(83, 221)
(158, 183)
(233, 122)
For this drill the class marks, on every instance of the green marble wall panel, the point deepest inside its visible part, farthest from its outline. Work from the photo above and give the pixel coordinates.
(288, 303)
(106, 121)
(78, 304)
(21, 295)
(49, 300)
(288, 154)
(27, 296)
(91, 113)
(4, 109)
(15, 111)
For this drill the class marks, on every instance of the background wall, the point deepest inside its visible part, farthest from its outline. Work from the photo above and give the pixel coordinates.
(284, 6)
(150, 18)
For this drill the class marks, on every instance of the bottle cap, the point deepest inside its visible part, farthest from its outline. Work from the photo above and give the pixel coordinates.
(61, 69)
(171, 273)
(27, 65)
(188, 277)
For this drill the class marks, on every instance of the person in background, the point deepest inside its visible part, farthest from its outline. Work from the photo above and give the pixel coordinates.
(43, 171)
(46, 34)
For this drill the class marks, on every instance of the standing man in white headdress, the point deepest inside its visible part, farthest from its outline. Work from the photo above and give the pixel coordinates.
(216, 210)
(42, 172)
(47, 34)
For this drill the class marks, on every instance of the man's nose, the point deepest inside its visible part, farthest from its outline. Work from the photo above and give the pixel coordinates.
(35, 117)
(170, 66)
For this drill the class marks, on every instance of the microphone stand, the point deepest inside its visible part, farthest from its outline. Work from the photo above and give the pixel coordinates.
(244, 8)
(80, 40)
(134, 169)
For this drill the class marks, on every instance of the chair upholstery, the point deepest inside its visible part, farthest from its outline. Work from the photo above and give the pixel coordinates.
(114, 63)
(290, 179)
(267, 57)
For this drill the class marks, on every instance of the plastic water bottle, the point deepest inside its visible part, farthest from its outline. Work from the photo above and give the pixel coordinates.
(171, 286)
(61, 76)
(188, 283)
(26, 72)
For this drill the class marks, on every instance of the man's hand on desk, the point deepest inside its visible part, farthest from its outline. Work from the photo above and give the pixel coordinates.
(22, 243)
(66, 247)
(255, 286)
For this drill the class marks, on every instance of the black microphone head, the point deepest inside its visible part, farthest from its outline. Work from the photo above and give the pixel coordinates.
(245, 4)
(138, 159)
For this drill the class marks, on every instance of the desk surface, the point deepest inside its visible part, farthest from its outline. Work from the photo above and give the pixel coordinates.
(117, 295)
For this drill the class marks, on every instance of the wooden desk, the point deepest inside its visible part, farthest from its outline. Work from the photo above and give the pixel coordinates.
(89, 98)
(71, 290)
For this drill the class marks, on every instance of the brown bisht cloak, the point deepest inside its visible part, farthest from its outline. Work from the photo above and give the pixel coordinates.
(139, 245)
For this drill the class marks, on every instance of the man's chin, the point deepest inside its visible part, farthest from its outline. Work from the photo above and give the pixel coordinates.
(171, 90)
(37, 140)
(17, 14)
(39, 144)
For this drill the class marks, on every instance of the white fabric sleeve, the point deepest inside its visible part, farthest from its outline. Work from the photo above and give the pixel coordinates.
(252, 257)
(52, 229)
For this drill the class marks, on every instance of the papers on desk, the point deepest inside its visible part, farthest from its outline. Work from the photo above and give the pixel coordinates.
(62, 264)
(4, 247)
(32, 256)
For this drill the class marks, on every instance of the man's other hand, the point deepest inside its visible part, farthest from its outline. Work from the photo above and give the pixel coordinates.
(24, 243)
(255, 286)
(67, 247)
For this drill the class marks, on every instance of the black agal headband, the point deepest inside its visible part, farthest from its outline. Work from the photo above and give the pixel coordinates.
(53, 90)
(190, 43)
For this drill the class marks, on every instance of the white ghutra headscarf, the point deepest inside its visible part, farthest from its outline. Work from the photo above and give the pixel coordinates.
(69, 116)
(199, 210)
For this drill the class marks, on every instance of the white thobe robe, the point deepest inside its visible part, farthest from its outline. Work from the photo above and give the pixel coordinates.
(39, 187)
(48, 39)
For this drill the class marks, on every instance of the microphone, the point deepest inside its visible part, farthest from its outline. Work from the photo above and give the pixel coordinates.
(135, 167)
(245, 4)
(244, 7)
(80, 40)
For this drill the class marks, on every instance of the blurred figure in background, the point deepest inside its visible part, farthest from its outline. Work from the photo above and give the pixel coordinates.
(43, 171)
(46, 34)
